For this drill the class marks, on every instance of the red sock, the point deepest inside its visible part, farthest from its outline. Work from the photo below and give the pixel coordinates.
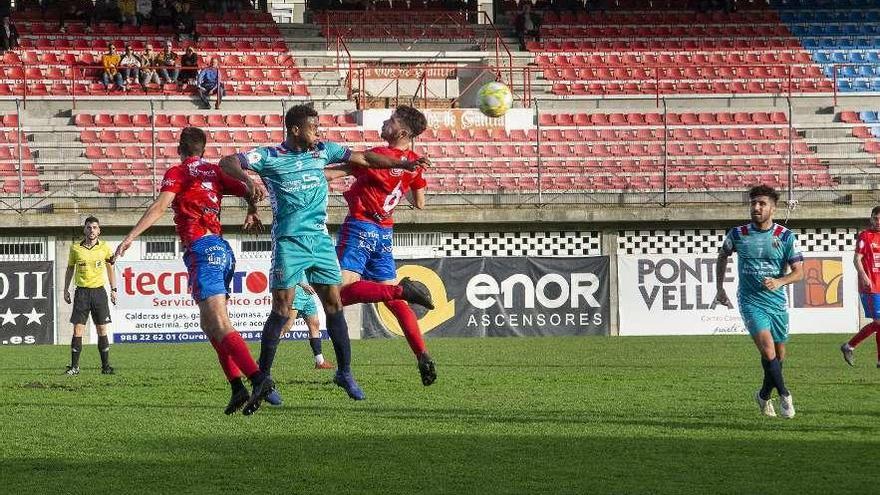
(877, 338)
(229, 368)
(863, 334)
(409, 323)
(234, 345)
(364, 291)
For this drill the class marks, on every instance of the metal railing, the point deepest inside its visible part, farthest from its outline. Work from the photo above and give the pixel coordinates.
(668, 159)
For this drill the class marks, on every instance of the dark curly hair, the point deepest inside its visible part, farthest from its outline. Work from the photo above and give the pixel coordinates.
(298, 116)
(764, 190)
(413, 119)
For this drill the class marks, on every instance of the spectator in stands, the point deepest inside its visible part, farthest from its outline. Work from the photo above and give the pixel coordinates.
(8, 35)
(130, 65)
(167, 63)
(143, 11)
(149, 64)
(110, 61)
(163, 15)
(105, 10)
(209, 83)
(185, 25)
(127, 11)
(189, 66)
(527, 23)
(82, 11)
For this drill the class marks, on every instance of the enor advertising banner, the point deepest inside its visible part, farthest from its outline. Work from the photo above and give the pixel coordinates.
(27, 302)
(154, 304)
(673, 294)
(496, 297)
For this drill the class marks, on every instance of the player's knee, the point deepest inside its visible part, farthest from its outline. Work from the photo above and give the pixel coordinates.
(333, 307)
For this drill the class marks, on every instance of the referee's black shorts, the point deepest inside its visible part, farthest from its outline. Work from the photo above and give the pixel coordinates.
(88, 300)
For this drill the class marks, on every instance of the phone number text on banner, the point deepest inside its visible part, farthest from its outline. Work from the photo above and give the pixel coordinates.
(154, 304)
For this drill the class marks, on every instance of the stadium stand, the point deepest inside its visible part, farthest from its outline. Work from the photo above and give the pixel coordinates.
(254, 57)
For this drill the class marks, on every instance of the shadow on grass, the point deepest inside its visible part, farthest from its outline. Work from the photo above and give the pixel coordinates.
(300, 462)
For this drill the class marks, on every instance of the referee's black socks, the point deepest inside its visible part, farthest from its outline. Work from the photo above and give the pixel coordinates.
(76, 344)
(104, 349)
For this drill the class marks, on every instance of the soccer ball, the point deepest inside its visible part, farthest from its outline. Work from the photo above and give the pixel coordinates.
(494, 99)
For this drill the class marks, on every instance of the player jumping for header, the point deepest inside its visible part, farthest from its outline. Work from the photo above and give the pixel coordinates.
(364, 244)
(194, 190)
(293, 173)
(765, 249)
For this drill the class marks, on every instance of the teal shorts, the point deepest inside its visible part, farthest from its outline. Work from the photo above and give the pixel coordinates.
(304, 303)
(312, 257)
(758, 320)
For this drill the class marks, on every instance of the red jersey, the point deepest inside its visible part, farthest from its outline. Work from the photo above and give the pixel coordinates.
(868, 245)
(199, 187)
(376, 192)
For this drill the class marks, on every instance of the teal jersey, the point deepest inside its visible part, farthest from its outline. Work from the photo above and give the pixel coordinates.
(761, 254)
(295, 184)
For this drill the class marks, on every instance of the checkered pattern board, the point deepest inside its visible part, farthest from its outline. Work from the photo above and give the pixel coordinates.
(701, 241)
(520, 244)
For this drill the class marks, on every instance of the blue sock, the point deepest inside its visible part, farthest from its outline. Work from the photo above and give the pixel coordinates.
(269, 343)
(315, 343)
(338, 330)
(767, 386)
(776, 372)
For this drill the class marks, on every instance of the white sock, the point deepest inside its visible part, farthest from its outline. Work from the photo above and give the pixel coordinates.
(319, 359)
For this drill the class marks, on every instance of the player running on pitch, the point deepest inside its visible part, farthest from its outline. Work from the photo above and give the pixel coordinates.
(293, 173)
(765, 249)
(194, 190)
(364, 243)
(867, 261)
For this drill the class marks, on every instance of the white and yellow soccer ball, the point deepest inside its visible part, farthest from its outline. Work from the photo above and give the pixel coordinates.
(494, 99)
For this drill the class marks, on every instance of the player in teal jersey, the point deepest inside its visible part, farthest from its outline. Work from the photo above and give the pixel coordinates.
(293, 173)
(765, 251)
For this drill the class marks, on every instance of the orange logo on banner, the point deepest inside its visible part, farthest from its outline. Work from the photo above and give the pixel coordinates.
(444, 308)
(822, 284)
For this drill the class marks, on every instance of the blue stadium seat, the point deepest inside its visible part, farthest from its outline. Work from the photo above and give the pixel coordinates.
(860, 86)
(844, 86)
(847, 71)
(875, 130)
(821, 57)
(863, 42)
(866, 71)
(868, 116)
(857, 57)
(873, 58)
(839, 57)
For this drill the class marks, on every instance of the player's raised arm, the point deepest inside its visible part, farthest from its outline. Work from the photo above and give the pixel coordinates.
(369, 159)
(232, 166)
(153, 213)
(337, 172)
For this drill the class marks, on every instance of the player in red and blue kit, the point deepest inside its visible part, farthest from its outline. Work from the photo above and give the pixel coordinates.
(194, 190)
(867, 261)
(364, 243)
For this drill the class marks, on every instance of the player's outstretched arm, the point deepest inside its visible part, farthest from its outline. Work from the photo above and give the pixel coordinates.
(231, 167)
(369, 159)
(720, 273)
(337, 172)
(153, 213)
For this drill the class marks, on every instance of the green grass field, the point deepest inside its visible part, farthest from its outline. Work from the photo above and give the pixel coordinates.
(516, 415)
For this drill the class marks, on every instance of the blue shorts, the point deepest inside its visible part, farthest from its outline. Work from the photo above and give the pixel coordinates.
(304, 303)
(365, 248)
(871, 303)
(758, 320)
(309, 256)
(210, 264)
